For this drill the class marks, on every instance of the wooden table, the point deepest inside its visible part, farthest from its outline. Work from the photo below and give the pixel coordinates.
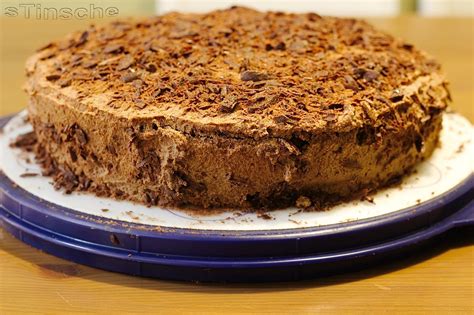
(437, 280)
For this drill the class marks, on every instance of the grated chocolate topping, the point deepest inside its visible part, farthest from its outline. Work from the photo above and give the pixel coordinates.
(245, 71)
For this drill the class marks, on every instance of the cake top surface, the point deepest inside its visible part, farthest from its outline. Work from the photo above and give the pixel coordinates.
(237, 70)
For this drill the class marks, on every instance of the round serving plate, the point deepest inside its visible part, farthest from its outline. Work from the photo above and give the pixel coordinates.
(287, 244)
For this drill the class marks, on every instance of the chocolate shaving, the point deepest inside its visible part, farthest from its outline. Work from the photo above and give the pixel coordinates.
(351, 163)
(129, 77)
(228, 105)
(83, 38)
(281, 119)
(329, 117)
(299, 46)
(81, 136)
(64, 82)
(125, 62)
(254, 76)
(407, 46)
(89, 64)
(280, 46)
(370, 75)
(48, 45)
(53, 77)
(336, 106)
(47, 54)
(313, 16)
(26, 140)
(396, 96)
(72, 154)
(68, 179)
(350, 83)
(151, 68)
(139, 103)
(265, 216)
(366, 74)
(113, 48)
(29, 174)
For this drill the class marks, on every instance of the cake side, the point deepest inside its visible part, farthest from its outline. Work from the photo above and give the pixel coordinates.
(140, 161)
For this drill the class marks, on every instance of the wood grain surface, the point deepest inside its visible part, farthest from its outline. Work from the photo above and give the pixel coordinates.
(436, 280)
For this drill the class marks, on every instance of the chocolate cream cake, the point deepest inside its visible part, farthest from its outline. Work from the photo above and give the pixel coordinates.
(233, 109)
